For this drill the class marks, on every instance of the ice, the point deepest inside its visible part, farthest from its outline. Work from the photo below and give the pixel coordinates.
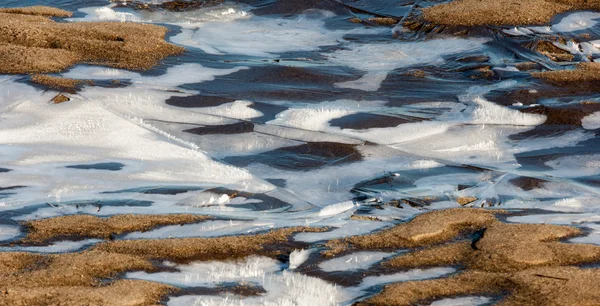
(335, 209)
(425, 164)
(351, 228)
(591, 122)
(378, 59)
(354, 261)
(283, 289)
(576, 22)
(187, 73)
(298, 257)
(56, 247)
(576, 165)
(106, 13)
(265, 37)
(411, 275)
(463, 301)
(490, 113)
(316, 117)
(518, 31)
(556, 218)
(209, 228)
(211, 273)
(236, 110)
(8, 232)
(593, 237)
(46, 137)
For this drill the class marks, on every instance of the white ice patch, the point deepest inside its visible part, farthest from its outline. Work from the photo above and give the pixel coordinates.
(187, 73)
(56, 247)
(236, 110)
(211, 228)
(317, 118)
(211, 273)
(351, 228)
(425, 164)
(576, 165)
(42, 138)
(378, 59)
(576, 22)
(8, 232)
(285, 289)
(463, 301)
(591, 122)
(518, 31)
(354, 261)
(263, 37)
(490, 113)
(106, 13)
(335, 209)
(298, 257)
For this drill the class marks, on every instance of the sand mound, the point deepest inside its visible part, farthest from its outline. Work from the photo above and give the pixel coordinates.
(433, 227)
(502, 12)
(37, 44)
(94, 227)
(525, 260)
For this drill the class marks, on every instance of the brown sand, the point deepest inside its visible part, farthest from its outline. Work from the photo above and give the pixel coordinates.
(586, 73)
(462, 201)
(540, 286)
(93, 227)
(74, 279)
(553, 52)
(506, 248)
(88, 277)
(432, 227)
(37, 10)
(37, 44)
(71, 269)
(467, 283)
(502, 12)
(118, 293)
(525, 260)
(382, 21)
(60, 98)
(189, 249)
(56, 82)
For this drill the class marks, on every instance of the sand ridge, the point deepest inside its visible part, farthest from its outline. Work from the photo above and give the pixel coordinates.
(89, 226)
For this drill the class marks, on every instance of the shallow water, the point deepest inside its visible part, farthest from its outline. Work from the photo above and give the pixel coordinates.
(278, 111)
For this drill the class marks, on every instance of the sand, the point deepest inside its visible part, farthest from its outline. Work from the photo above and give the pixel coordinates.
(502, 12)
(86, 226)
(527, 261)
(184, 250)
(93, 277)
(586, 74)
(34, 43)
(37, 10)
(63, 84)
(433, 227)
